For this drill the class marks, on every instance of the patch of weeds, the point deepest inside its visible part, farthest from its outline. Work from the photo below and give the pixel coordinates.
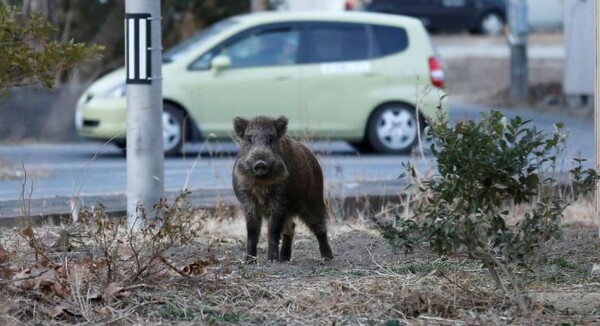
(83, 272)
(171, 312)
(217, 318)
(354, 272)
(392, 322)
(561, 270)
(344, 272)
(426, 267)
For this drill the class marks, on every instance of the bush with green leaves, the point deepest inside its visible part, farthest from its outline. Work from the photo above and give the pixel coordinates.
(482, 166)
(29, 54)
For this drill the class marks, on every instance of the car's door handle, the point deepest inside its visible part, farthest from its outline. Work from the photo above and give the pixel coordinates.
(283, 78)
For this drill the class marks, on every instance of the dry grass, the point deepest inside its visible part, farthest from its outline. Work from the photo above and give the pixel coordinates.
(205, 282)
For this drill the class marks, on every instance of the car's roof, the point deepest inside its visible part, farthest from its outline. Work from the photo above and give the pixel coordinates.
(337, 16)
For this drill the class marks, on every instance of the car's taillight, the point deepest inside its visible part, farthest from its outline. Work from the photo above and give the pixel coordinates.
(348, 5)
(436, 72)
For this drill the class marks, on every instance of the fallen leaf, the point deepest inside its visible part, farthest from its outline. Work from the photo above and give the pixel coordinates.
(124, 251)
(94, 294)
(198, 267)
(4, 257)
(27, 232)
(99, 264)
(111, 291)
(57, 312)
(9, 271)
(79, 271)
(44, 262)
(64, 309)
(49, 283)
(106, 311)
(23, 280)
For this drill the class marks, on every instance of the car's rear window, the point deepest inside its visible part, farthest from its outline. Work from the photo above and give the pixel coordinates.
(331, 42)
(389, 39)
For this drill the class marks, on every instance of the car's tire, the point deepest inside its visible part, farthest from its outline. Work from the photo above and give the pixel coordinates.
(393, 129)
(491, 24)
(173, 129)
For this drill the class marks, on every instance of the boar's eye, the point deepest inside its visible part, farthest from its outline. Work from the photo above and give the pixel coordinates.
(249, 138)
(270, 139)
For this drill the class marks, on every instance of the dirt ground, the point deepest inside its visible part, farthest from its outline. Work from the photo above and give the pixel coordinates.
(367, 283)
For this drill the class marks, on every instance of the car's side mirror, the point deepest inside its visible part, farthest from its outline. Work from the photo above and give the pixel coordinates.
(220, 62)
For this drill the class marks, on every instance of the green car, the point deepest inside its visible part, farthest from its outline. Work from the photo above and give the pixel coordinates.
(353, 76)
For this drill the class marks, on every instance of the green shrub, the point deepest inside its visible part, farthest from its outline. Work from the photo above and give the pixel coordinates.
(481, 166)
(30, 55)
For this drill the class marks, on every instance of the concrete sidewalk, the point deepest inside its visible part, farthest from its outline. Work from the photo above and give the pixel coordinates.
(540, 46)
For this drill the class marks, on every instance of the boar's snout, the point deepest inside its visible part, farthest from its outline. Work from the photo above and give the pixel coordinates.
(265, 165)
(261, 168)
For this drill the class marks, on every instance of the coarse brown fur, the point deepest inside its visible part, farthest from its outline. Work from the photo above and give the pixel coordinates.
(277, 178)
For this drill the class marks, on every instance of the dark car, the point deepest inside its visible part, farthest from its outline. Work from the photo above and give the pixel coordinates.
(478, 16)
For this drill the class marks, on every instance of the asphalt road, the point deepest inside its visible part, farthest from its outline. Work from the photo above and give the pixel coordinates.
(84, 169)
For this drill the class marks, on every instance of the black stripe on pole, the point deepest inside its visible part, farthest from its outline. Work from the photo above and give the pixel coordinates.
(138, 41)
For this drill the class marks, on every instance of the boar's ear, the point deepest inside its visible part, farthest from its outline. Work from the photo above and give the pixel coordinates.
(239, 125)
(280, 125)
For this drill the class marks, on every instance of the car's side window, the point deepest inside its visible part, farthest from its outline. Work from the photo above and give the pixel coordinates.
(331, 42)
(271, 47)
(203, 62)
(389, 39)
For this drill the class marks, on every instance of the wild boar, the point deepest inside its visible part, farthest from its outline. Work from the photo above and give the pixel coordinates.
(277, 178)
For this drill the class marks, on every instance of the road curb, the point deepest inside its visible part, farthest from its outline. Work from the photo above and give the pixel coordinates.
(349, 199)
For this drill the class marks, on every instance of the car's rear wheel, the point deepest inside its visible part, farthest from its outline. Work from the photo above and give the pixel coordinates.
(393, 129)
(173, 129)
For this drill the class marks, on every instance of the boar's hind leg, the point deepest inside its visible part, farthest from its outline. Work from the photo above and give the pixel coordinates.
(317, 223)
(287, 240)
(253, 224)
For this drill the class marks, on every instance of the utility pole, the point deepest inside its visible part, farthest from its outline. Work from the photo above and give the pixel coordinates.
(145, 157)
(518, 28)
(597, 115)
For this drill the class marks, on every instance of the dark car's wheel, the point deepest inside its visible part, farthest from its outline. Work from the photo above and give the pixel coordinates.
(491, 23)
(393, 129)
(173, 129)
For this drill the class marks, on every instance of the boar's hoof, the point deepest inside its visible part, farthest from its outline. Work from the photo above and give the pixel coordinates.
(250, 260)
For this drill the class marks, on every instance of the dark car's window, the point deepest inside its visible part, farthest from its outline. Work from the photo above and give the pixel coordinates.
(389, 40)
(337, 42)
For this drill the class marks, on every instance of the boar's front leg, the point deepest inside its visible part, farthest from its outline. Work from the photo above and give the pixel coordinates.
(253, 224)
(276, 224)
